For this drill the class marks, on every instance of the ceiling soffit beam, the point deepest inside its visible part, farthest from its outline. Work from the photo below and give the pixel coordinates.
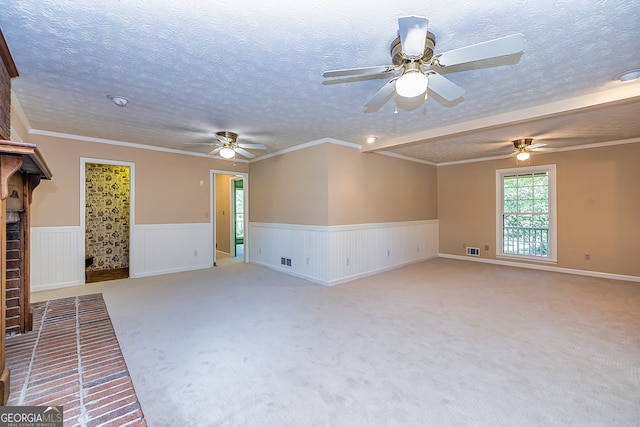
(569, 105)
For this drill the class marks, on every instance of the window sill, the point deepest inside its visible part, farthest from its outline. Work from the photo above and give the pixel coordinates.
(536, 259)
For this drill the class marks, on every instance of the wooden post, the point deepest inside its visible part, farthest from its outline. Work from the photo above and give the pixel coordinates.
(30, 184)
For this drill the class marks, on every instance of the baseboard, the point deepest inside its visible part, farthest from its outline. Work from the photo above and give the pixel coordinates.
(290, 272)
(545, 267)
(52, 286)
(377, 271)
(323, 282)
(171, 271)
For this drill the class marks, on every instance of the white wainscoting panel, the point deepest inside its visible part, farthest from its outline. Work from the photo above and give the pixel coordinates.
(170, 248)
(336, 254)
(305, 246)
(57, 253)
(57, 257)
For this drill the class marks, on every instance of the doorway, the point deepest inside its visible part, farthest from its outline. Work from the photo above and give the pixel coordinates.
(229, 206)
(107, 217)
(237, 219)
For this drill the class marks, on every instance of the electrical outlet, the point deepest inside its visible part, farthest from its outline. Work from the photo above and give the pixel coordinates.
(486, 247)
(587, 257)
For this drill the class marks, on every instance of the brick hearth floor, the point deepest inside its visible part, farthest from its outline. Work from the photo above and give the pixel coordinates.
(72, 358)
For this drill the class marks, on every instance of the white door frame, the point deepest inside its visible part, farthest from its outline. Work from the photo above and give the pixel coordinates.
(212, 208)
(132, 204)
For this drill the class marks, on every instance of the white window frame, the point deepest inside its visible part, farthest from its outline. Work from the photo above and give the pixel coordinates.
(553, 218)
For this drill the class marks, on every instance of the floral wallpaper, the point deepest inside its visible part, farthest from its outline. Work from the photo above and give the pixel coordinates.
(107, 216)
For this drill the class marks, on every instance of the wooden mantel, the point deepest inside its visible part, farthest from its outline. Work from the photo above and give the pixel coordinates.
(25, 160)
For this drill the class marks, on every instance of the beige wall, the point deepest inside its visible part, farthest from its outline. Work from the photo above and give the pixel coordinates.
(167, 185)
(290, 188)
(330, 184)
(373, 188)
(18, 130)
(223, 212)
(598, 207)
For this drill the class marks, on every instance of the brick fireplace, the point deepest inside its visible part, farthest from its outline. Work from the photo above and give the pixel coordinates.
(8, 71)
(21, 169)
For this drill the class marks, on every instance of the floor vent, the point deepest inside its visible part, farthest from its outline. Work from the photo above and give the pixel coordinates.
(473, 251)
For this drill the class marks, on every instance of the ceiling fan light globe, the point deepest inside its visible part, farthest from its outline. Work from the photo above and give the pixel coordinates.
(227, 153)
(412, 84)
(523, 155)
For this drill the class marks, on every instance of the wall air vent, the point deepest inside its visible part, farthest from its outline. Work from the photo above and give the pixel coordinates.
(473, 251)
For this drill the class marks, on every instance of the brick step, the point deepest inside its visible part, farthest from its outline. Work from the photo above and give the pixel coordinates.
(13, 302)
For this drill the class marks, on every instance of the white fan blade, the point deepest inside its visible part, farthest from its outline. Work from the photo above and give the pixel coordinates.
(358, 71)
(215, 151)
(537, 145)
(382, 95)
(223, 139)
(245, 153)
(540, 150)
(444, 87)
(413, 35)
(498, 47)
(252, 146)
(199, 143)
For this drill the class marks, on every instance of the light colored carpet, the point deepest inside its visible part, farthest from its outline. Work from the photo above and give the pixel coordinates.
(439, 343)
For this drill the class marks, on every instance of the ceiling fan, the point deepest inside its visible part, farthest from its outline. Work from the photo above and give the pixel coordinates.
(414, 63)
(227, 145)
(524, 146)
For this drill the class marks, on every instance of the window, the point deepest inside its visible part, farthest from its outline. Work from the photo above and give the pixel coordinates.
(526, 213)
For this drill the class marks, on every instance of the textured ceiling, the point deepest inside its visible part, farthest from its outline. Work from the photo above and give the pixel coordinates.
(255, 68)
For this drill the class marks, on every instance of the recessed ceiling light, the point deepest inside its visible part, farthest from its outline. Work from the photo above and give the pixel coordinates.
(371, 139)
(120, 101)
(628, 76)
